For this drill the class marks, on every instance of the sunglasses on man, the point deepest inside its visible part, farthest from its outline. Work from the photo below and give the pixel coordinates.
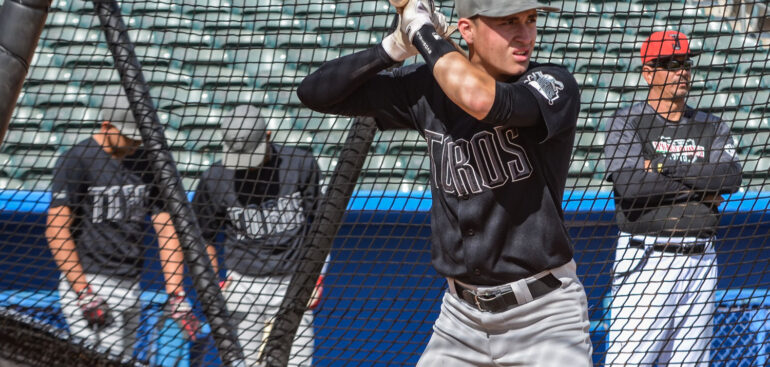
(672, 64)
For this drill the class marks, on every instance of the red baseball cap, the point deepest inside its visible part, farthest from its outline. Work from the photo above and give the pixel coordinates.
(664, 44)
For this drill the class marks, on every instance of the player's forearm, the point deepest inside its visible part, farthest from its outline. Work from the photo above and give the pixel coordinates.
(212, 251)
(723, 177)
(64, 251)
(170, 252)
(327, 88)
(647, 187)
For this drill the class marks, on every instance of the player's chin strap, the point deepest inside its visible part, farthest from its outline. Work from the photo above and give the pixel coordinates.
(431, 45)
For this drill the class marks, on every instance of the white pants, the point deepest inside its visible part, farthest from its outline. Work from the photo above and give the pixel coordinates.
(662, 305)
(550, 331)
(253, 303)
(122, 296)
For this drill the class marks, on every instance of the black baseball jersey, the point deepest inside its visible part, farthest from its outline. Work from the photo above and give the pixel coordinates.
(497, 189)
(264, 213)
(688, 160)
(110, 200)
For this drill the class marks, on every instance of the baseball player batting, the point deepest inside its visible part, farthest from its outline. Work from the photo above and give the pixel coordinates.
(668, 163)
(500, 130)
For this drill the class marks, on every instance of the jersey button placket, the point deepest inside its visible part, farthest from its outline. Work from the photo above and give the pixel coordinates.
(470, 233)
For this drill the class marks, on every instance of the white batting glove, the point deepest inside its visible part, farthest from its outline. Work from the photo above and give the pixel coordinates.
(398, 46)
(415, 15)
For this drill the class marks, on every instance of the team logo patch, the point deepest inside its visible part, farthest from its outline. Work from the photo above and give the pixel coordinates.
(546, 84)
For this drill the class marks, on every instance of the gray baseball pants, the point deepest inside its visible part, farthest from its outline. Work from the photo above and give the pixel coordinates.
(550, 331)
(122, 296)
(253, 303)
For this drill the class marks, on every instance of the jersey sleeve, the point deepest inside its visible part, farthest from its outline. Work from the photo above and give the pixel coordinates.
(557, 96)
(206, 211)
(67, 181)
(358, 85)
(625, 161)
(720, 173)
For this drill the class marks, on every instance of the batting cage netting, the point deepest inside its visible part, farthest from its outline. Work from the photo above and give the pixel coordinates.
(248, 229)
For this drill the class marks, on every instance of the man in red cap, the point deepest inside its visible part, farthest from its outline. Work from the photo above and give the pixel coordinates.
(669, 164)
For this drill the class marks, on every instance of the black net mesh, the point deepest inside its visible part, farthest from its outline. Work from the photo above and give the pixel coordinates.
(380, 295)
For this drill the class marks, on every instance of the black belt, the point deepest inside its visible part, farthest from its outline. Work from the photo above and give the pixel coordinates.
(674, 248)
(495, 300)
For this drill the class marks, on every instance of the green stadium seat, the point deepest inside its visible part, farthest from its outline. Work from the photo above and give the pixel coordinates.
(203, 6)
(219, 21)
(618, 9)
(8, 183)
(26, 118)
(176, 140)
(74, 6)
(247, 57)
(571, 8)
(249, 96)
(400, 142)
(150, 56)
(190, 38)
(295, 138)
(715, 102)
(67, 117)
(598, 99)
(310, 57)
(83, 55)
(202, 56)
(710, 61)
(289, 40)
(383, 167)
(204, 140)
(595, 24)
(318, 10)
(354, 39)
(284, 23)
(156, 8)
(287, 99)
(191, 163)
(247, 7)
(756, 166)
(369, 7)
(95, 76)
(706, 29)
(30, 161)
(37, 182)
(62, 19)
(211, 76)
(738, 83)
(588, 141)
(588, 122)
(757, 101)
(641, 25)
(331, 25)
(323, 123)
(754, 143)
(417, 167)
(329, 143)
(622, 82)
(6, 170)
(243, 40)
(277, 120)
(742, 121)
(45, 95)
(65, 36)
(195, 117)
(625, 45)
(169, 97)
(289, 80)
(375, 22)
(72, 136)
(159, 76)
(327, 165)
(553, 24)
(44, 57)
(581, 166)
(686, 15)
(49, 75)
(561, 42)
(30, 139)
(144, 37)
(597, 62)
(161, 21)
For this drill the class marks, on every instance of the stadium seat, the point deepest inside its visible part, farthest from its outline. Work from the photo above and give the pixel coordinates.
(170, 97)
(289, 80)
(195, 117)
(203, 6)
(588, 141)
(757, 101)
(177, 140)
(309, 58)
(323, 123)
(70, 137)
(67, 117)
(26, 118)
(597, 100)
(65, 36)
(623, 82)
(249, 59)
(49, 75)
(62, 19)
(246, 7)
(571, 8)
(162, 21)
(715, 102)
(243, 40)
(54, 95)
(641, 25)
(595, 24)
(44, 57)
(295, 138)
(211, 76)
(327, 165)
(581, 166)
(172, 76)
(289, 40)
(399, 142)
(73, 6)
(30, 139)
(353, 39)
(144, 37)
(150, 56)
(30, 161)
(87, 76)
(383, 167)
(561, 42)
(553, 24)
(686, 15)
(375, 22)
(83, 55)
(742, 121)
(417, 167)
(191, 163)
(286, 23)
(598, 62)
(37, 182)
(756, 166)
(204, 140)
(625, 45)
(8, 183)
(618, 9)
(710, 61)
(332, 25)
(318, 10)
(156, 8)
(287, 99)
(755, 143)
(730, 83)
(219, 21)
(202, 56)
(369, 7)
(706, 29)
(588, 122)
(277, 120)
(329, 143)
(234, 97)
(190, 38)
